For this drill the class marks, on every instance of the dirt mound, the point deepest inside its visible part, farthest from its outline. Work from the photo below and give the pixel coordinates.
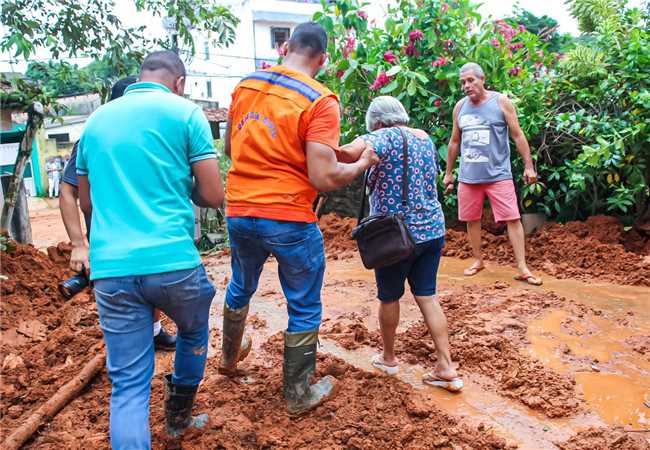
(640, 344)
(45, 340)
(369, 411)
(595, 249)
(606, 438)
(349, 331)
(337, 233)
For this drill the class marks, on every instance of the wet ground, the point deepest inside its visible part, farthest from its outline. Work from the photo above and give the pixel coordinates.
(579, 332)
(565, 365)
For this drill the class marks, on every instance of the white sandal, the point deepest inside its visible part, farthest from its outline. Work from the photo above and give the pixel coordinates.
(378, 363)
(455, 385)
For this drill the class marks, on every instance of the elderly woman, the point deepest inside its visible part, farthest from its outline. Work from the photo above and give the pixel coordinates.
(386, 121)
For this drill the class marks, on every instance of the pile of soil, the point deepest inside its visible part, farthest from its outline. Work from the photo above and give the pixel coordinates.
(606, 438)
(487, 328)
(337, 233)
(45, 339)
(369, 411)
(596, 249)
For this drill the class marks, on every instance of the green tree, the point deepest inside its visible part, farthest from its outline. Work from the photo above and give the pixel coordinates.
(90, 28)
(585, 113)
(416, 57)
(545, 27)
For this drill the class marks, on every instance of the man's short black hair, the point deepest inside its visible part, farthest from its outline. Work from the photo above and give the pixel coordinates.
(165, 60)
(310, 38)
(120, 86)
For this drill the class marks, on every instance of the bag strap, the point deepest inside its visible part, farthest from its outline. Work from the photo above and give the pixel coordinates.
(405, 170)
(363, 196)
(405, 179)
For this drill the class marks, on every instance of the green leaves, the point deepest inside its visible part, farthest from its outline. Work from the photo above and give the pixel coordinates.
(586, 112)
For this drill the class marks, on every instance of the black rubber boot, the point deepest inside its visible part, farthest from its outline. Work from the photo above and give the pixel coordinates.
(234, 345)
(178, 408)
(72, 286)
(164, 341)
(299, 365)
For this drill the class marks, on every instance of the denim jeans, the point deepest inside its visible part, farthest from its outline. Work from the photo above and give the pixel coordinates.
(125, 306)
(298, 248)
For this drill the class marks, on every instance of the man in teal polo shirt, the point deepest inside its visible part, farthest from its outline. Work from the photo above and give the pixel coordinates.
(137, 159)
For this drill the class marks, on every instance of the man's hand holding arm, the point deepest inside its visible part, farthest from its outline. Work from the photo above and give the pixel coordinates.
(530, 176)
(351, 152)
(327, 174)
(453, 150)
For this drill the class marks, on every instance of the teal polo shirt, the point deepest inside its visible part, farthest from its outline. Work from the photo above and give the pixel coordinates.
(137, 152)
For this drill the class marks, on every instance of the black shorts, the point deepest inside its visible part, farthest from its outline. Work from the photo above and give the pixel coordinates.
(420, 269)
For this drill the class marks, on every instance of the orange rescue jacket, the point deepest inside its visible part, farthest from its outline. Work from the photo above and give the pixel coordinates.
(268, 177)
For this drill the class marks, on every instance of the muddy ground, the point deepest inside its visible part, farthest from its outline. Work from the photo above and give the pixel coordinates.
(544, 368)
(598, 249)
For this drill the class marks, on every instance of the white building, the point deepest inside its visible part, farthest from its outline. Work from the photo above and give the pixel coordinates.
(264, 25)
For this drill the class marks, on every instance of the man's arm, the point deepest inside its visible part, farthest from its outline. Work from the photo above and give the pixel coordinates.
(226, 143)
(84, 195)
(72, 222)
(351, 152)
(208, 188)
(327, 174)
(518, 136)
(453, 150)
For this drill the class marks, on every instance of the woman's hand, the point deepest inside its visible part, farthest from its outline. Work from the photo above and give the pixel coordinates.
(369, 157)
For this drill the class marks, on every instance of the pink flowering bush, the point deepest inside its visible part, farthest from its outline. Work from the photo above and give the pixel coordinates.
(416, 57)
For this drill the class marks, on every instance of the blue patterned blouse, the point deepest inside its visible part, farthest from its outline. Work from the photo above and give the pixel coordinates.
(423, 213)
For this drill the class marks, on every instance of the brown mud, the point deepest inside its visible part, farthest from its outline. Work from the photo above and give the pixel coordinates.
(598, 249)
(605, 439)
(487, 329)
(45, 340)
(526, 351)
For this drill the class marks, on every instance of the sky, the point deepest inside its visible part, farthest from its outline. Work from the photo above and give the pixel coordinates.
(556, 9)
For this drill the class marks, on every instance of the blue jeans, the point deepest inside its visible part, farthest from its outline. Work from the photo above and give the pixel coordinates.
(125, 306)
(298, 248)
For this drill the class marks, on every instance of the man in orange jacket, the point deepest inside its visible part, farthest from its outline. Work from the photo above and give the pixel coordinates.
(283, 139)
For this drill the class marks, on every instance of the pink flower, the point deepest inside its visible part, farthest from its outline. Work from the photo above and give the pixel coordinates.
(381, 81)
(350, 45)
(439, 61)
(515, 47)
(339, 74)
(437, 102)
(265, 65)
(282, 50)
(448, 43)
(495, 43)
(505, 30)
(390, 57)
(540, 53)
(416, 35)
(522, 28)
(515, 71)
(410, 50)
(362, 14)
(444, 8)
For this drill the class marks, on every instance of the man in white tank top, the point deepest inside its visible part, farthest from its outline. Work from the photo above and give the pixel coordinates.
(482, 122)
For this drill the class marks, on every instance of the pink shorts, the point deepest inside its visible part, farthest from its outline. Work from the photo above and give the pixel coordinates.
(503, 201)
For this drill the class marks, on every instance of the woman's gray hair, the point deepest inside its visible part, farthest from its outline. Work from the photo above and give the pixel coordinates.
(386, 110)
